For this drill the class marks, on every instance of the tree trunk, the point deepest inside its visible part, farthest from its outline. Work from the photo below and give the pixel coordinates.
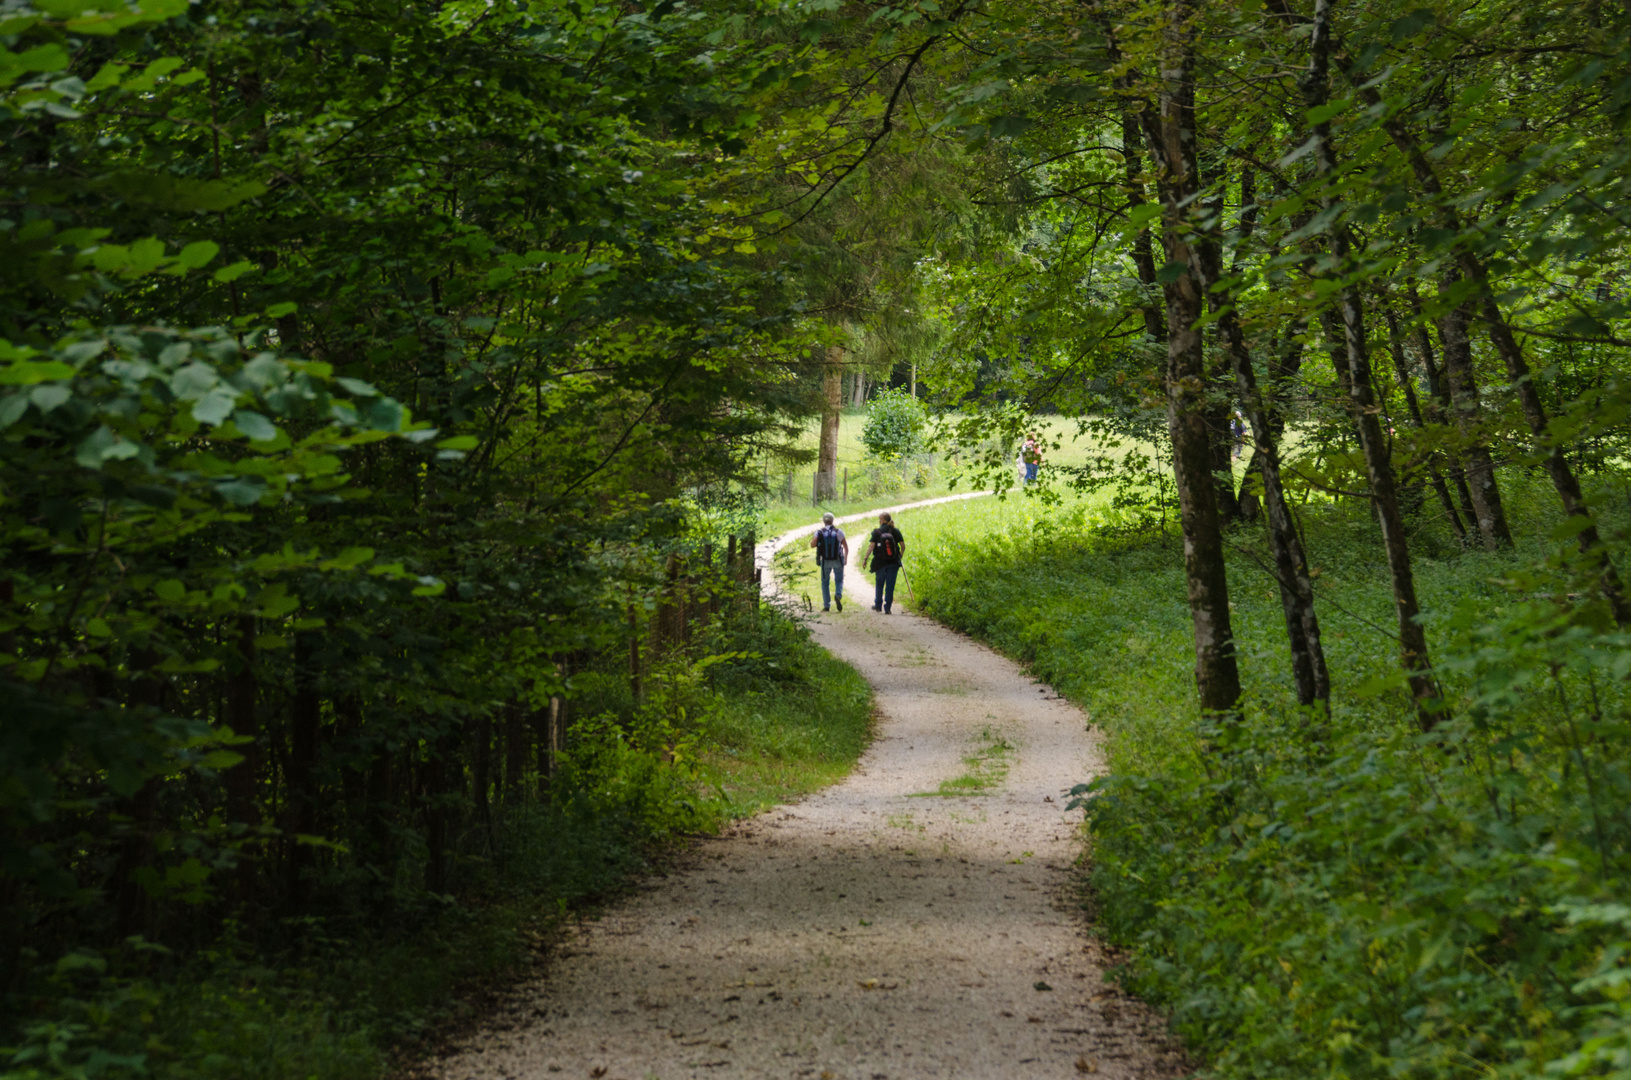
(1506, 345)
(1401, 371)
(1143, 248)
(1308, 667)
(634, 655)
(1413, 656)
(1564, 481)
(305, 719)
(832, 402)
(1439, 408)
(1485, 491)
(242, 718)
(1171, 138)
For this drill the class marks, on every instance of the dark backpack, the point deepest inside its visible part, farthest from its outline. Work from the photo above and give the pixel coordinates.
(827, 546)
(888, 548)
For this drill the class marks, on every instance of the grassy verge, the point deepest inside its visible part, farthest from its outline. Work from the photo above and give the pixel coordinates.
(864, 494)
(1342, 897)
(711, 742)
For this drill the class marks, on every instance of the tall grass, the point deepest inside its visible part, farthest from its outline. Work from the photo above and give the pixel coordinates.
(1341, 897)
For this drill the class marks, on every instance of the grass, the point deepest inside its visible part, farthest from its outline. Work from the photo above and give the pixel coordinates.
(987, 766)
(774, 744)
(1367, 902)
(946, 479)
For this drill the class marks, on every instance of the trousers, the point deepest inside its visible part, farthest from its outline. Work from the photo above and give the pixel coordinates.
(885, 595)
(832, 575)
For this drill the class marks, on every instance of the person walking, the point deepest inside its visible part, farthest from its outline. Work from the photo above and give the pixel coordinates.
(832, 553)
(1033, 457)
(884, 550)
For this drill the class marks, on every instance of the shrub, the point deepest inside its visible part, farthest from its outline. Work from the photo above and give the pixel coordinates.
(894, 425)
(1371, 902)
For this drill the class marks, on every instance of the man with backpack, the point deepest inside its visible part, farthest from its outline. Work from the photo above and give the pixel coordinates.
(832, 552)
(885, 547)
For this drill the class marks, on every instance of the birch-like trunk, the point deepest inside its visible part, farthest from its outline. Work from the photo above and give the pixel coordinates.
(832, 402)
(1171, 138)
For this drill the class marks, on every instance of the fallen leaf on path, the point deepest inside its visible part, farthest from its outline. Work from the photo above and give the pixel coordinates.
(874, 984)
(1085, 1066)
(1040, 986)
(597, 1073)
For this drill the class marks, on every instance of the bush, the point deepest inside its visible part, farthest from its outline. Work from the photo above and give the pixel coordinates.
(1371, 902)
(762, 716)
(894, 425)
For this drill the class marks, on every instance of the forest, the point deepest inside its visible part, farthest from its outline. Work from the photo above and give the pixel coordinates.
(390, 400)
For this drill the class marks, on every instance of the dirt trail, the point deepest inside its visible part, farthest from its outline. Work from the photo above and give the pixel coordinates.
(875, 930)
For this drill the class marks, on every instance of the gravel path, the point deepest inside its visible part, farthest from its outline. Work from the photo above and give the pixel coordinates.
(878, 929)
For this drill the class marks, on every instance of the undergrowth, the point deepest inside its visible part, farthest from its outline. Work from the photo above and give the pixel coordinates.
(1344, 897)
(764, 716)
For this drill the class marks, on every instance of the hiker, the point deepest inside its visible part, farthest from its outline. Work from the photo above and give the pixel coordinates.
(1033, 457)
(1237, 434)
(884, 548)
(832, 552)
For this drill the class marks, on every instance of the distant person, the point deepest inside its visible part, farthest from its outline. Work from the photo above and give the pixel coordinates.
(1237, 433)
(884, 548)
(1033, 457)
(832, 552)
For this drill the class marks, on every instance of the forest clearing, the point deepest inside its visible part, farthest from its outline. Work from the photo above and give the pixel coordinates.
(413, 416)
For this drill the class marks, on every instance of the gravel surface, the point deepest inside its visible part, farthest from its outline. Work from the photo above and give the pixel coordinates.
(878, 929)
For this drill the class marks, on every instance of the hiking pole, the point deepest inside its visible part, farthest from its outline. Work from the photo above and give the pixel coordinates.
(908, 581)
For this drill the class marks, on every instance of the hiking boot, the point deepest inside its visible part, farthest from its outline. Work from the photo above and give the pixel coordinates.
(877, 607)
(840, 604)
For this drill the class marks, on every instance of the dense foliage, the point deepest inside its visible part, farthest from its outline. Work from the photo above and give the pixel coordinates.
(1357, 898)
(385, 391)
(370, 377)
(894, 425)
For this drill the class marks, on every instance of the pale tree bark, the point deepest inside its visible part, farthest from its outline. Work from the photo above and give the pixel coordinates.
(1308, 667)
(1480, 466)
(1413, 655)
(1439, 409)
(1401, 371)
(1171, 137)
(832, 403)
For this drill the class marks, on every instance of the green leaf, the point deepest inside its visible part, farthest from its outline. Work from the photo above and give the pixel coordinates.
(459, 442)
(347, 559)
(1322, 113)
(26, 372)
(48, 396)
(220, 759)
(170, 590)
(254, 425)
(1171, 272)
(234, 271)
(12, 408)
(242, 491)
(198, 254)
(214, 407)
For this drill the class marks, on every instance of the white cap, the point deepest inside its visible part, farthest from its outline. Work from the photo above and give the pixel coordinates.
(826, 519)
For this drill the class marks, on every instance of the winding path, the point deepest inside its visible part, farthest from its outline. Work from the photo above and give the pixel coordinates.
(878, 929)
